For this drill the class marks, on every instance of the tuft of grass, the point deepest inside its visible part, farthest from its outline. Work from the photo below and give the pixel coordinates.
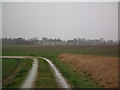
(16, 79)
(77, 80)
(45, 77)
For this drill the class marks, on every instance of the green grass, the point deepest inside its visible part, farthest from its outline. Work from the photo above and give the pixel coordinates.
(45, 76)
(18, 77)
(8, 66)
(76, 79)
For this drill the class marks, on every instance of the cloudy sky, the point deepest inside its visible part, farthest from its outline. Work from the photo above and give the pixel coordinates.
(60, 20)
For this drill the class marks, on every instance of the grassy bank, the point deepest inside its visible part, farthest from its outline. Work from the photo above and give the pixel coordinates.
(45, 77)
(18, 76)
(76, 79)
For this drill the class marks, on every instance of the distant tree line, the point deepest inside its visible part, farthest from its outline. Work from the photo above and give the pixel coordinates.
(45, 41)
(18, 41)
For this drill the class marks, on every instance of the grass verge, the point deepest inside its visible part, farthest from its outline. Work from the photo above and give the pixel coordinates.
(18, 76)
(75, 79)
(45, 77)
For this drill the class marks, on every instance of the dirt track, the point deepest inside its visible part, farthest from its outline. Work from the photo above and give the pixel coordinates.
(104, 70)
(28, 83)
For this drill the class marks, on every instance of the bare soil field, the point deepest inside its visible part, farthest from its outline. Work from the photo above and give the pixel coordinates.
(103, 70)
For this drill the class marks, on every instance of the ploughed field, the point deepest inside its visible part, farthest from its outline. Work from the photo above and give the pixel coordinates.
(75, 77)
(99, 68)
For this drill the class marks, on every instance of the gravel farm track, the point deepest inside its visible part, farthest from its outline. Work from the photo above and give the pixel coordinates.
(28, 83)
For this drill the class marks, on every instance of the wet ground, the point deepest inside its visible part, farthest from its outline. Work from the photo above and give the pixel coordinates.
(28, 83)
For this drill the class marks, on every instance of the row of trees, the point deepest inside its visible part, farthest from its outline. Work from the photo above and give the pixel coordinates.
(18, 41)
(45, 41)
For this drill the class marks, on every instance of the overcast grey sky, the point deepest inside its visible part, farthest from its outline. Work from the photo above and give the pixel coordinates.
(60, 20)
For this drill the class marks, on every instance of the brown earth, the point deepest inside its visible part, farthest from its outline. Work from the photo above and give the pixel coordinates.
(103, 70)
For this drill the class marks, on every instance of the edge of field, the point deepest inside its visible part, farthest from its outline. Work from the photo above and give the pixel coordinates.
(75, 79)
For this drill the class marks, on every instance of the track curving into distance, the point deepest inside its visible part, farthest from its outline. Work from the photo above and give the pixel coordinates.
(28, 83)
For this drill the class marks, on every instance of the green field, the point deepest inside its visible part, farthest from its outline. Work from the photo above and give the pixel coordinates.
(47, 51)
(74, 78)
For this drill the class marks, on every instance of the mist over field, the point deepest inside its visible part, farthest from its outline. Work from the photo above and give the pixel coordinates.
(65, 20)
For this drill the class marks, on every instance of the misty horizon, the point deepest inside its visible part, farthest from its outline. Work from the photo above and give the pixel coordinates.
(90, 20)
(56, 38)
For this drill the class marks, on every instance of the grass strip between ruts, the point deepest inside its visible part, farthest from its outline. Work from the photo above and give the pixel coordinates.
(45, 78)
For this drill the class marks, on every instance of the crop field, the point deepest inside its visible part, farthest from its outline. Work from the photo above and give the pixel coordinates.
(54, 51)
(74, 78)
